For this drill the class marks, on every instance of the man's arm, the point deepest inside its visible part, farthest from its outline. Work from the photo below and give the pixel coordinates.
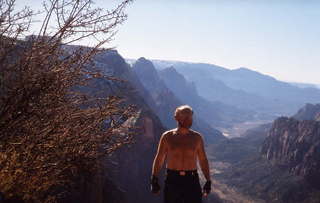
(203, 161)
(160, 156)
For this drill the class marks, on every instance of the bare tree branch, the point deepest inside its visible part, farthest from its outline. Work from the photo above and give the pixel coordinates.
(51, 130)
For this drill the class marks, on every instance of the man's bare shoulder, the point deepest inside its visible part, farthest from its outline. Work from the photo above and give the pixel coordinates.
(168, 133)
(195, 133)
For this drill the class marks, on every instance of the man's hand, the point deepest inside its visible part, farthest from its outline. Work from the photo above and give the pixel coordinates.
(155, 187)
(207, 188)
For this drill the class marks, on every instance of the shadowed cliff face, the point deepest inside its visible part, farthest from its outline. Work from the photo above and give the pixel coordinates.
(126, 173)
(166, 101)
(131, 170)
(295, 145)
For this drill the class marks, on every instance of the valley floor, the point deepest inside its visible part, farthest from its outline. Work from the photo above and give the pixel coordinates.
(223, 193)
(237, 130)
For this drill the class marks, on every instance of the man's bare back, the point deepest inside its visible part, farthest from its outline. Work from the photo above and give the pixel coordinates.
(181, 152)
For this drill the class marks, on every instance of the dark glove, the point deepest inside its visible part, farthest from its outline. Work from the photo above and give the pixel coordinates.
(155, 187)
(1, 198)
(207, 187)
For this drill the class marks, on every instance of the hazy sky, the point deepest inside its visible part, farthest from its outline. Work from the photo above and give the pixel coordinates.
(275, 37)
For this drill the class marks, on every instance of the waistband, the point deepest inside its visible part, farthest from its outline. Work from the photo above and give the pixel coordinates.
(181, 172)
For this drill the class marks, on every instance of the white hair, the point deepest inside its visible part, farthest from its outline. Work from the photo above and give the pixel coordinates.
(183, 108)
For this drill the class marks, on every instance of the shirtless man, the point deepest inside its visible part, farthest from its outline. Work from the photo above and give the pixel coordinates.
(181, 147)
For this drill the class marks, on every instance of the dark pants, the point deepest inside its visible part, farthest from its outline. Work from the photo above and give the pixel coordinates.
(182, 188)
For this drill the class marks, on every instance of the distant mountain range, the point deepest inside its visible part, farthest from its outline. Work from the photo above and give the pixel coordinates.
(244, 88)
(237, 96)
(305, 85)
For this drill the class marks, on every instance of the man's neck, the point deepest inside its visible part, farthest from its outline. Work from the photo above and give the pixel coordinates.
(182, 131)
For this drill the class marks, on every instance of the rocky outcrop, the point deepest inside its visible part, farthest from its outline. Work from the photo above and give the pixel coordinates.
(148, 76)
(295, 145)
(287, 169)
(178, 84)
(164, 99)
(276, 163)
(308, 112)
